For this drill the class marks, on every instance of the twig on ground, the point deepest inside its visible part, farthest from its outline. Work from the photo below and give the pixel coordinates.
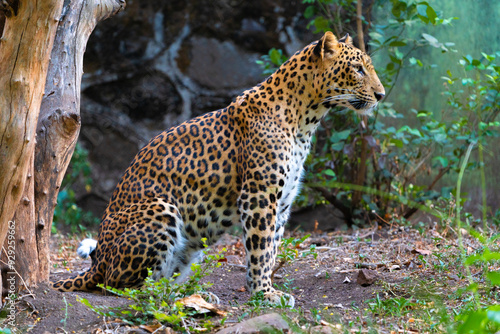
(326, 249)
(15, 271)
(242, 266)
(371, 266)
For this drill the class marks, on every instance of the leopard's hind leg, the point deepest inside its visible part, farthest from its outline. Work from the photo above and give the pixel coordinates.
(150, 242)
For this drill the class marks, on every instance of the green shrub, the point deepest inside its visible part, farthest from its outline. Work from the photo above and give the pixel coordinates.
(158, 300)
(67, 212)
(367, 167)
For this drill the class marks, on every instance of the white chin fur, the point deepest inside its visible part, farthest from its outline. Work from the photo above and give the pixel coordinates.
(86, 247)
(366, 112)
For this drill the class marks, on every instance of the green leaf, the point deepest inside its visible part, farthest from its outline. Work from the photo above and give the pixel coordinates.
(339, 136)
(329, 172)
(423, 19)
(397, 43)
(472, 258)
(415, 132)
(483, 126)
(85, 302)
(337, 146)
(423, 113)
(431, 14)
(276, 56)
(309, 12)
(473, 323)
(415, 61)
(493, 313)
(321, 24)
(396, 12)
(397, 142)
(442, 161)
(490, 256)
(494, 277)
(422, 9)
(481, 238)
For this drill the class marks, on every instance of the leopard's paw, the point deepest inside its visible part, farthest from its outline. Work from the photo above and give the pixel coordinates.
(277, 297)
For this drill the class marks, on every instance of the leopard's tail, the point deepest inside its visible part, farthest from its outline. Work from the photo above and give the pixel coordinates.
(86, 281)
(87, 248)
(82, 282)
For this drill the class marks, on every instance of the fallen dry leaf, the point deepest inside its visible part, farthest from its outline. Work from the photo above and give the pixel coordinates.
(421, 251)
(157, 329)
(201, 305)
(464, 232)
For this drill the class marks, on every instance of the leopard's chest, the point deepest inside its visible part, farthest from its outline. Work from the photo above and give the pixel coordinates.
(294, 168)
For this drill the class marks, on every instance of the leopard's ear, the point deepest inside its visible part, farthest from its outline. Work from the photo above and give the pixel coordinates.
(326, 45)
(346, 39)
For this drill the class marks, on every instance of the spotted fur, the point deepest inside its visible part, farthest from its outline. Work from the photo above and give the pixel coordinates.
(238, 165)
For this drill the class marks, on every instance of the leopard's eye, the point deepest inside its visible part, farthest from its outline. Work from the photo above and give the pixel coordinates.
(359, 69)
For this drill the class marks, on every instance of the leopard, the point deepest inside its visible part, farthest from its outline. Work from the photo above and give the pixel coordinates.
(240, 165)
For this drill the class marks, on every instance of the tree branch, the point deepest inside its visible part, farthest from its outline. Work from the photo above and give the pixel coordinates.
(442, 172)
(360, 179)
(359, 25)
(346, 211)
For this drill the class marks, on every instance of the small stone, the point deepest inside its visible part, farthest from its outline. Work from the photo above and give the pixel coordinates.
(267, 323)
(366, 277)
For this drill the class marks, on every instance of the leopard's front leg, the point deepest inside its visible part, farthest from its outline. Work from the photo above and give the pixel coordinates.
(259, 218)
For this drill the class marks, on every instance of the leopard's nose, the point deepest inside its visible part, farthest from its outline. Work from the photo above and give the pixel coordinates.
(379, 96)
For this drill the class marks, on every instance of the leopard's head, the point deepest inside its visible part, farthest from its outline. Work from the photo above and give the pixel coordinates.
(345, 75)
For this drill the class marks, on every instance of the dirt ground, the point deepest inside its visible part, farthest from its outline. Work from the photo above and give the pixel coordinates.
(327, 283)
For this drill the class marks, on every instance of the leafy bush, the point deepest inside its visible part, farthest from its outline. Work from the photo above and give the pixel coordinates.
(67, 212)
(366, 167)
(159, 299)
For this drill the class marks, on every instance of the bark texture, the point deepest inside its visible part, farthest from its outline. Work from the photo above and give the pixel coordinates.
(58, 127)
(59, 120)
(28, 35)
(22, 240)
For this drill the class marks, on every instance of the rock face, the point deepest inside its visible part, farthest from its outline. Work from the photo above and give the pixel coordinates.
(159, 63)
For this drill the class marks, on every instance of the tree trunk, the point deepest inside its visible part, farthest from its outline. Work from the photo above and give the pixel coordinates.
(59, 120)
(28, 35)
(57, 131)
(361, 172)
(22, 242)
